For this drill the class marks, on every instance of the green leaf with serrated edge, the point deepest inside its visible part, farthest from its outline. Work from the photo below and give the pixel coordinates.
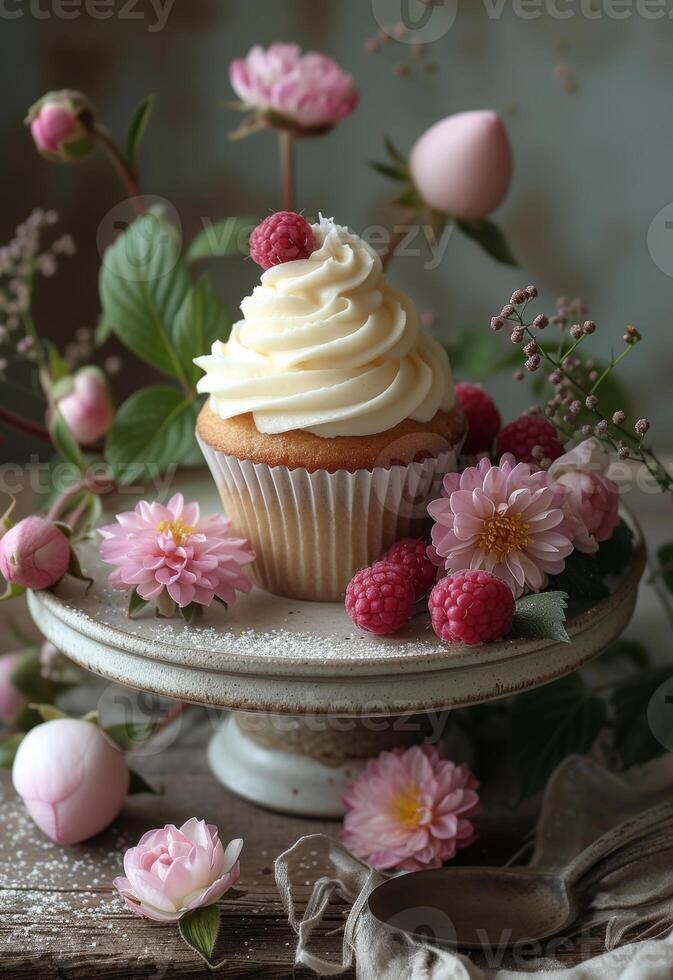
(48, 712)
(9, 745)
(153, 430)
(633, 739)
(490, 237)
(131, 735)
(136, 130)
(665, 559)
(388, 170)
(136, 604)
(143, 283)
(218, 239)
(540, 616)
(139, 785)
(199, 929)
(64, 441)
(582, 578)
(200, 322)
(550, 723)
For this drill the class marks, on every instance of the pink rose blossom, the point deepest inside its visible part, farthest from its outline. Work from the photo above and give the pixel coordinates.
(12, 700)
(159, 548)
(72, 780)
(462, 165)
(309, 90)
(592, 501)
(410, 809)
(34, 553)
(504, 519)
(174, 871)
(87, 408)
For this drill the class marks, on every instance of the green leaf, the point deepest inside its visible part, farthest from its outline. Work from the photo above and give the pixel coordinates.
(48, 712)
(153, 430)
(388, 170)
(665, 559)
(634, 741)
(139, 785)
(200, 322)
(540, 616)
(12, 591)
(550, 723)
(228, 236)
(395, 154)
(582, 578)
(64, 441)
(27, 678)
(136, 604)
(58, 369)
(189, 612)
(131, 735)
(143, 283)
(9, 745)
(489, 236)
(615, 553)
(410, 198)
(199, 929)
(136, 130)
(474, 353)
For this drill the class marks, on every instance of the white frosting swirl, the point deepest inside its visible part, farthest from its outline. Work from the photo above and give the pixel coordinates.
(327, 345)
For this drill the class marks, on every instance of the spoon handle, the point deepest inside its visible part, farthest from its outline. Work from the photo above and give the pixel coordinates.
(639, 826)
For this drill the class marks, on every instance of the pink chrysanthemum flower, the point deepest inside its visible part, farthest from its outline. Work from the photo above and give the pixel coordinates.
(505, 519)
(410, 809)
(171, 550)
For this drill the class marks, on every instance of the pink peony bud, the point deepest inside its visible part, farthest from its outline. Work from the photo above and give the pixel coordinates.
(34, 554)
(294, 90)
(87, 407)
(462, 166)
(174, 871)
(63, 126)
(72, 780)
(12, 702)
(592, 501)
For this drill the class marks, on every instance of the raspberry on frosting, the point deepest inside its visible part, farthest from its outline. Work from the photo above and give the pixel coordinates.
(379, 599)
(471, 606)
(483, 418)
(282, 237)
(529, 439)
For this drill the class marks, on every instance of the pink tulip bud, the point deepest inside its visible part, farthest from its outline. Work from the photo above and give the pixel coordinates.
(72, 780)
(34, 554)
(11, 700)
(63, 126)
(462, 166)
(87, 407)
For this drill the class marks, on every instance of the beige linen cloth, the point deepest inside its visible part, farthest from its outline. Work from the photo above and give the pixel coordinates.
(633, 898)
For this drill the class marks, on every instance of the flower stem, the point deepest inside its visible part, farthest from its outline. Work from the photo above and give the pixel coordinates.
(124, 172)
(287, 169)
(26, 427)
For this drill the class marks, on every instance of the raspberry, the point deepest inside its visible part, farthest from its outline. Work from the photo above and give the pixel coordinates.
(471, 606)
(282, 237)
(521, 437)
(411, 554)
(379, 598)
(483, 418)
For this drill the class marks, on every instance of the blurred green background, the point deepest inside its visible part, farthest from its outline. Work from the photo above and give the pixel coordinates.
(586, 101)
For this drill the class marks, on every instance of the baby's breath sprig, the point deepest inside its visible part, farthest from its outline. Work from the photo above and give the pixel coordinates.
(574, 406)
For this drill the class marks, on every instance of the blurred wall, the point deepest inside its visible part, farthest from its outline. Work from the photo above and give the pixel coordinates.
(586, 100)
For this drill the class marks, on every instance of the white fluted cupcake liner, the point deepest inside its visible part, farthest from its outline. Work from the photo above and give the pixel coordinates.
(312, 531)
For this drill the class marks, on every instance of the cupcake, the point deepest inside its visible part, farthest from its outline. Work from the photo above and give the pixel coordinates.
(331, 418)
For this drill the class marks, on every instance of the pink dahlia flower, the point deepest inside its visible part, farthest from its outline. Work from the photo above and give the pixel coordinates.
(592, 501)
(170, 548)
(410, 809)
(309, 90)
(173, 871)
(505, 519)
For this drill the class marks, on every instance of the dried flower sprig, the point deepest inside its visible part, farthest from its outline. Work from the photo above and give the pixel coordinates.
(574, 406)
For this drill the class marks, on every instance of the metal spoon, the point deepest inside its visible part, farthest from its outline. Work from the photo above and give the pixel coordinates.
(480, 908)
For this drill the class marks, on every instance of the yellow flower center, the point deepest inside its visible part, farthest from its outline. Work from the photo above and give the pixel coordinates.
(504, 533)
(178, 530)
(407, 808)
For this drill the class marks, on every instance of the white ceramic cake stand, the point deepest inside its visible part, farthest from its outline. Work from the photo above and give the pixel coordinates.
(313, 697)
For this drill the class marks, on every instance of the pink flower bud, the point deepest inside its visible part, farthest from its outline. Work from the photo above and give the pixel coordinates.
(592, 500)
(87, 407)
(11, 700)
(462, 166)
(72, 780)
(34, 554)
(63, 126)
